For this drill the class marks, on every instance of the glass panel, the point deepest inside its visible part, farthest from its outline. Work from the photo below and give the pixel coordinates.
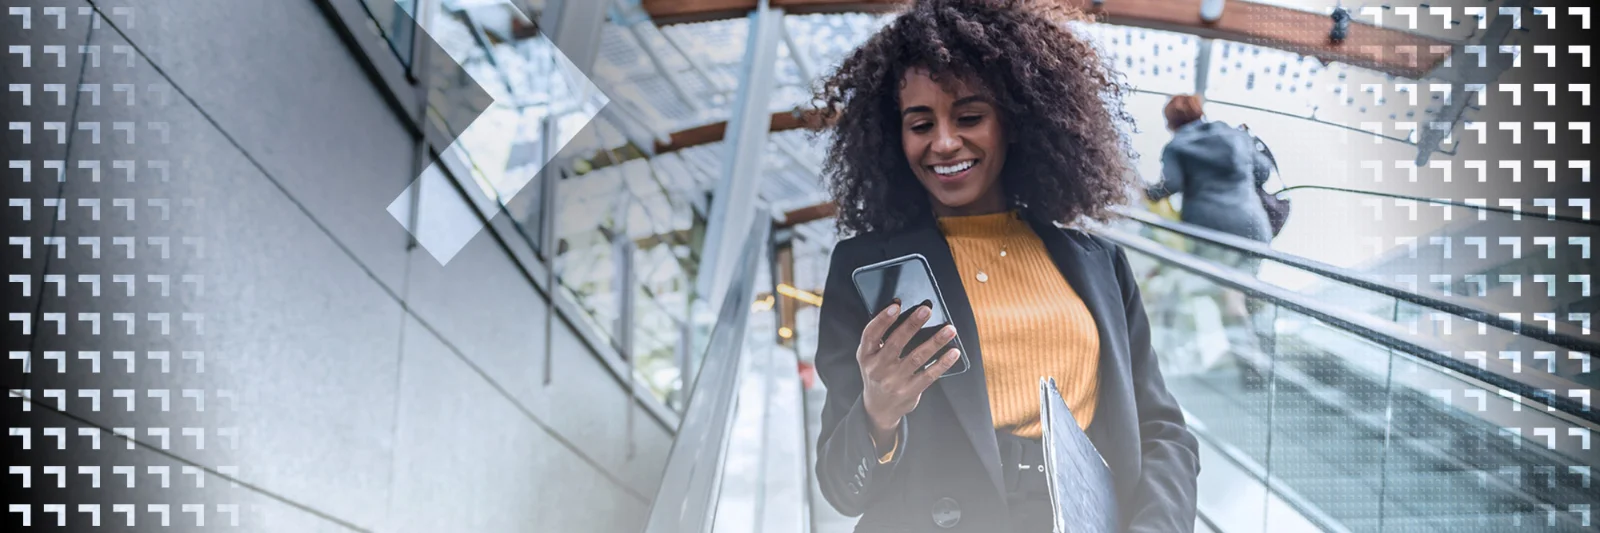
(1356, 436)
(1371, 303)
(1328, 426)
(657, 347)
(664, 230)
(539, 104)
(1333, 229)
(1538, 280)
(632, 206)
(1216, 364)
(1462, 334)
(662, 293)
(1460, 443)
(586, 261)
(1211, 356)
(393, 19)
(1524, 358)
(1462, 249)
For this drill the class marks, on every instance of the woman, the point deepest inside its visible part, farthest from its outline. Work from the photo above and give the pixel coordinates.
(971, 132)
(1217, 168)
(1219, 171)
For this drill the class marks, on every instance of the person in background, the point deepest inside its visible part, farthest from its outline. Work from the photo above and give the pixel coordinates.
(1217, 169)
(979, 134)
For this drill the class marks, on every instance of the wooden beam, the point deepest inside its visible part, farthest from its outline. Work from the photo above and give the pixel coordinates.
(710, 133)
(695, 136)
(808, 213)
(679, 236)
(521, 29)
(1392, 51)
(783, 264)
(682, 11)
(1403, 54)
(1383, 49)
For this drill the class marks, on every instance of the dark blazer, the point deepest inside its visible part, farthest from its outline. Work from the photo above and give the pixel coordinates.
(949, 461)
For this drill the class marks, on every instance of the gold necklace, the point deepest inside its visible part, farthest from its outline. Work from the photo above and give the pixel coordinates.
(983, 277)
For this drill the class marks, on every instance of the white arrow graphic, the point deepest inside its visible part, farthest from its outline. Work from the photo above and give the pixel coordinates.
(443, 223)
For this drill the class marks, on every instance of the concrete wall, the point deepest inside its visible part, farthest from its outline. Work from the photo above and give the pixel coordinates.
(370, 387)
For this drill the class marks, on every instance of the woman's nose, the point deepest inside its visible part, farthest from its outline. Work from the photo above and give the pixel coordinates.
(946, 141)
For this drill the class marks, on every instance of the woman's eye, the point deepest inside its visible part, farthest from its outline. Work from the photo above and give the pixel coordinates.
(970, 120)
(921, 128)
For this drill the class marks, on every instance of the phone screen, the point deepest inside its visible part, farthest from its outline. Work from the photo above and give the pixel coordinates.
(908, 281)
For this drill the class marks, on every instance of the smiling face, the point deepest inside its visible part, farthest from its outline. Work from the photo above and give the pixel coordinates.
(954, 143)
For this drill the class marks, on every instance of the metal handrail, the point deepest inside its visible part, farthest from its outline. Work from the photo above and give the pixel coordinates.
(1532, 387)
(1350, 277)
(1312, 119)
(1441, 201)
(686, 499)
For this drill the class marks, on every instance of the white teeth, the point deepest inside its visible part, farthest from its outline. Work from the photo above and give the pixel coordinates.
(952, 169)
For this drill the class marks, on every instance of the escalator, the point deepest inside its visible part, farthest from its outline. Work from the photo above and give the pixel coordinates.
(1358, 407)
(1538, 272)
(739, 461)
(1344, 410)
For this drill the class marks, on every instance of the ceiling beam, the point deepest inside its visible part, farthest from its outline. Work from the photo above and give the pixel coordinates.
(1400, 53)
(1383, 49)
(806, 214)
(710, 133)
(689, 138)
(681, 11)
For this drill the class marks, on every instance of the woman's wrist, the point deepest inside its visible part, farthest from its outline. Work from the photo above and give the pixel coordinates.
(883, 431)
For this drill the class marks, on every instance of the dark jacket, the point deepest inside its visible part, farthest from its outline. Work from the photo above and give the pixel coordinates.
(1217, 169)
(949, 455)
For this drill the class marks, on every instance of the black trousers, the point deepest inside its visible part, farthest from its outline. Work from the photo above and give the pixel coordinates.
(1031, 516)
(1027, 494)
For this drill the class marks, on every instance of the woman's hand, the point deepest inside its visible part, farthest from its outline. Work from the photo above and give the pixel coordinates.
(892, 385)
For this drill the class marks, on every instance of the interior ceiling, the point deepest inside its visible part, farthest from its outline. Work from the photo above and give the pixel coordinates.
(1411, 55)
(1390, 50)
(1269, 56)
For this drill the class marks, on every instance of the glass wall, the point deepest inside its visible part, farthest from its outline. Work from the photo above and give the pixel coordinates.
(393, 19)
(621, 231)
(1356, 436)
(539, 103)
(632, 228)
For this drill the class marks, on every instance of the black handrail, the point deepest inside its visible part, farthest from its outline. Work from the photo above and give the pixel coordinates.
(1349, 277)
(1533, 387)
(1286, 114)
(1440, 201)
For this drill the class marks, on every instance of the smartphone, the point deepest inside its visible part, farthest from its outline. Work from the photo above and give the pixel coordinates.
(909, 281)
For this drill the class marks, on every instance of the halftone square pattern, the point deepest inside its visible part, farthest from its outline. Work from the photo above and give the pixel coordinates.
(1458, 170)
(158, 328)
(101, 260)
(1379, 440)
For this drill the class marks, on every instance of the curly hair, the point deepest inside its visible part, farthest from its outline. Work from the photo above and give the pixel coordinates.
(1073, 163)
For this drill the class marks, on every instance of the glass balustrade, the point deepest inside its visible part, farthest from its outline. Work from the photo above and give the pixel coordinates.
(1357, 436)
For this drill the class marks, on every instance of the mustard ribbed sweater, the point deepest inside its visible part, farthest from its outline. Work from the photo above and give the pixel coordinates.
(1030, 321)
